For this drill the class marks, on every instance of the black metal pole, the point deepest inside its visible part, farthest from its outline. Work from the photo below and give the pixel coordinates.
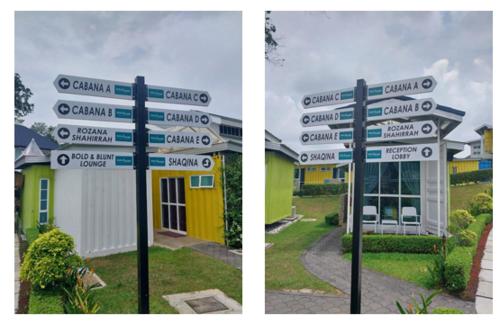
(141, 195)
(359, 178)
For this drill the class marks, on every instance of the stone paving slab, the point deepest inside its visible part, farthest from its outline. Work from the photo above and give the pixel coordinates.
(486, 275)
(379, 292)
(487, 264)
(484, 305)
(220, 252)
(484, 293)
(485, 289)
(488, 256)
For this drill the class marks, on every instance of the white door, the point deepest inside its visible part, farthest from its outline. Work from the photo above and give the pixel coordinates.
(173, 204)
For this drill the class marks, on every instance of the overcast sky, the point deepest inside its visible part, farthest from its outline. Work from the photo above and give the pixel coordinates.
(327, 51)
(196, 50)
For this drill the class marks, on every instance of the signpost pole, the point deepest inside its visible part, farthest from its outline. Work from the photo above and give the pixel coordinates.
(141, 195)
(359, 163)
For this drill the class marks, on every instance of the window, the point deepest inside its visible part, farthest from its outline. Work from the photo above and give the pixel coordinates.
(230, 131)
(311, 169)
(43, 210)
(325, 169)
(202, 181)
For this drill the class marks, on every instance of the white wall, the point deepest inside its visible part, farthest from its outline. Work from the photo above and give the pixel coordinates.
(98, 208)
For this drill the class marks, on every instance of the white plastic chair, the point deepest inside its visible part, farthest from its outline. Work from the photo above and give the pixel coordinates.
(409, 217)
(370, 216)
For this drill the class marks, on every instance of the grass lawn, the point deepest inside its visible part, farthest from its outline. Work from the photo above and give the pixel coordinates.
(460, 196)
(284, 269)
(179, 271)
(406, 266)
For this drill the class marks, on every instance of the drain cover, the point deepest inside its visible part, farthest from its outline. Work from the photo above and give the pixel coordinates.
(206, 305)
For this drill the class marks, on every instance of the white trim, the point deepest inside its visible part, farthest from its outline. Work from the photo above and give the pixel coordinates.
(40, 210)
(176, 204)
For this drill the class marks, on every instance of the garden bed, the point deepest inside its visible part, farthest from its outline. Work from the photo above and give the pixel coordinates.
(470, 292)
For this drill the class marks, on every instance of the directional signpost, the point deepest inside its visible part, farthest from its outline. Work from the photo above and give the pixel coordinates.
(90, 135)
(67, 109)
(178, 139)
(359, 114)
(138, 137)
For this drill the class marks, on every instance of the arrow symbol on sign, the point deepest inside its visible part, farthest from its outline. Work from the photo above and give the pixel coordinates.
(427, 83)
(306, 119)
(204, 119)
(64, 83)
(305, 137)
(203, 98)
(63, 108)
(427, 128)
(307, 101)
(426, 105)
(426, 152)
(63, 159)
(303, 157)
(206, 163)
(205, 140)
(63, 133)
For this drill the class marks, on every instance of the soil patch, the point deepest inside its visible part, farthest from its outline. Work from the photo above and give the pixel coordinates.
(470, 292)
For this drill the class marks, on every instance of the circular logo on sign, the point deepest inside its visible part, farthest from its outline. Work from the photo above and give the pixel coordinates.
(426, 152)
(305, 137)
(205, 140)
(426, 105)
(427, 83)
(307, 101)
(206, 163)
(303, 157)
(204, 119)
(63, 159)
(426, 128)
(306, 120)
(203, 98)
(63, 133)
(63, 109)
(63, 83)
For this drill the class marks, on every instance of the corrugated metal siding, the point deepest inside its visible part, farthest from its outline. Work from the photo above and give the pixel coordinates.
(279, 187)
(488, 141)
(317, 176)
(458, 166)
(30, 195)
(98, 208)
(204, 206)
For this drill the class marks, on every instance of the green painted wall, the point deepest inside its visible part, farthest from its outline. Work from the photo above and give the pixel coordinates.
(279, 186)
(30, 195)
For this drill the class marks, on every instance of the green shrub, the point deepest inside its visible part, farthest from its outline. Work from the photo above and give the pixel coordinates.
(48, 259)
(481, 203)
(332, 219)
(460, 219)
(473, 176)
(322, 189)
(418, 307)
(466, 237)
(79, 297)
(31, 234)
(445, 310)
(459, 262)
(233, 211)
(395, 243)
(45, 302)
(437, 278)
(44, 228)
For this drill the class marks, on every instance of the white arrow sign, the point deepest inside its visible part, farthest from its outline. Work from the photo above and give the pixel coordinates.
(328, 98)
(178, 139)
(91, 160)
(394, 109)
(417, 152)
(76, 134)
(67, 109)
(402, 131)
(93, 87)
(401, 88)
(329, 136)
(329, 117)
(178, 96)
(326, 157)
(168, 117)
(189, 162)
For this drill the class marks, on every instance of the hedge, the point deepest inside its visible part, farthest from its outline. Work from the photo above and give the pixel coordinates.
(472, 176)
(394, 243)
(332, 219)
(31, 234)
(459, 262)
(45, 302)
(322, 189)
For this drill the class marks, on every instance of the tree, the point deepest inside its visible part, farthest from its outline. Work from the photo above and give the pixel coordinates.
(22, 96)
(271, 42)
(43, 129)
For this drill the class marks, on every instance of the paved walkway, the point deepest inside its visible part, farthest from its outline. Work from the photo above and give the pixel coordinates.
(16, 276)
(484, 294)
(220, 252)
(379, 292)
